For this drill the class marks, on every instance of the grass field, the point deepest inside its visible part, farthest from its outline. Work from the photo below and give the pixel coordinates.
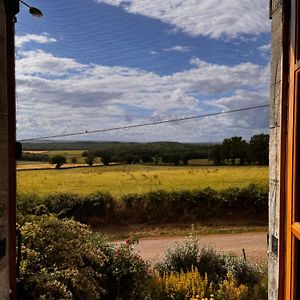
(124, 179)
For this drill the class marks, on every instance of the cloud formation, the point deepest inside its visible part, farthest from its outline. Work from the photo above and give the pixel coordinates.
(58, 95)
(178, 48)
(20, 41)
(211, 18)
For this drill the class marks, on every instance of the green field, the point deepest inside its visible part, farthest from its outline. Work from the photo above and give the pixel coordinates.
(124, 179)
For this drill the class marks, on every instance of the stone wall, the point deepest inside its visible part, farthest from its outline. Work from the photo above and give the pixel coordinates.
(275, 146)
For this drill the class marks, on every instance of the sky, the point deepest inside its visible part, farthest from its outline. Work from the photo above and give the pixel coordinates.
(97, 64)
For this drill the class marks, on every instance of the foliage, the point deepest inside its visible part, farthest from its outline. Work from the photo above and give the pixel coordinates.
(90, 159)
(58, 161)
(59, 261)
(185, 285)
(191, 285)
(259, 149)
(185, 255)
(231, 290)
(62, 259)
(35, 157)
(235, 148)
(126, 275)
(73, 160)
(153, 207)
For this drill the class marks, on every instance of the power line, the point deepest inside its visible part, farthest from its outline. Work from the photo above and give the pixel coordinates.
(144, 124)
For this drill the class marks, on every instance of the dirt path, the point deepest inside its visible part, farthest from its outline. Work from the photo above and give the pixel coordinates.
(254, 243)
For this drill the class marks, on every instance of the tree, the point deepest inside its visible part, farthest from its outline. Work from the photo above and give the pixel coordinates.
(85, 153)
(90, 159)
(58, 160)
(106, 159)
(215, 155)
(234, 148)
(73, 160)
(259, 149)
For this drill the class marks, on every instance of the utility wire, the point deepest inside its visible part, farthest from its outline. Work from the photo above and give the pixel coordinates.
(144, 124)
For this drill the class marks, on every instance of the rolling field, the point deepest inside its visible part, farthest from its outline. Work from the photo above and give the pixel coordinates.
(125, 179)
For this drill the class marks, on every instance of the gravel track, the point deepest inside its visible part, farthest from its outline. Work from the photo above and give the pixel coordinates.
(254, 243)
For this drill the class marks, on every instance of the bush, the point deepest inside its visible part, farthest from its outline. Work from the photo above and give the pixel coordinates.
(62, 259)
(186, 255)
(191, 285)
(154, 207)
(59, 261)
(100, 205)
(125, 275)
(182, 257)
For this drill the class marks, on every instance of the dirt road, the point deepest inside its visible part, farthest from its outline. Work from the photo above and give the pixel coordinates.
(254, 243)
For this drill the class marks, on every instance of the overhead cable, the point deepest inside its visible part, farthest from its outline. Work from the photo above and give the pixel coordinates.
(143, 124)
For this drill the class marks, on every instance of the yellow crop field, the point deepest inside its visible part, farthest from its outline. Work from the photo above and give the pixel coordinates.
(124, 179)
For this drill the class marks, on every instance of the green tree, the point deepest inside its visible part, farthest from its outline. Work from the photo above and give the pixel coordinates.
(216, 155)
(259, 149)
(58, 161)
(106, 159)
(90, 159)
(234, 148)
(85, 153)
(73, 160)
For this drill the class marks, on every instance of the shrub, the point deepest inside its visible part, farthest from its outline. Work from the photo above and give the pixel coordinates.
(187, 285)
(59, 261)
(231, 290)
(185, 255)
(62, 204)
(182, 257)
(100, 205)
(125, 275)
(191, 285)
(153, 207)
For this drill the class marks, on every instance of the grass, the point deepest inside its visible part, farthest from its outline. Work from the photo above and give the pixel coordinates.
(114, 233)
(124, 179)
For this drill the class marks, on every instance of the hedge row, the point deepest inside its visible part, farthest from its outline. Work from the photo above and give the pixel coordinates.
(152, 207)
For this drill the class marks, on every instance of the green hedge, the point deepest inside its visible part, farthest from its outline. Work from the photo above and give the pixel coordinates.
(153, 207)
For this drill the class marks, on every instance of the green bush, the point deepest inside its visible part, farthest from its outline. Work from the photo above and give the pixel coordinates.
(59, 261)
(125, 275)
(62, 259)
(153, 207)
(185, 255)
(182, 257)
(100, 205)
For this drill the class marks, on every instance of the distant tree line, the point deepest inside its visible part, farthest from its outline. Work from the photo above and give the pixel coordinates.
(235, 150)
(155, 153)
(231, 151)
(35, 157)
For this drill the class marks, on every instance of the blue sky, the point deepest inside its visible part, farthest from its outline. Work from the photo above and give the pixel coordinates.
(94, 64)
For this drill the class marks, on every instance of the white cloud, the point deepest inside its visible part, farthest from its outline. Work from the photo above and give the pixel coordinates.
(178, 49)
(21, 40)
(265, 48)
(40, 62)
(212, 18)
(59, 95)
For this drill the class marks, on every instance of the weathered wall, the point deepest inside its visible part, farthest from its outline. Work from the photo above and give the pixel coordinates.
(4, 273)
(275, 146)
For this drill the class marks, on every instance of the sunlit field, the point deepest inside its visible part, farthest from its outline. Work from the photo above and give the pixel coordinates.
(125, 179)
